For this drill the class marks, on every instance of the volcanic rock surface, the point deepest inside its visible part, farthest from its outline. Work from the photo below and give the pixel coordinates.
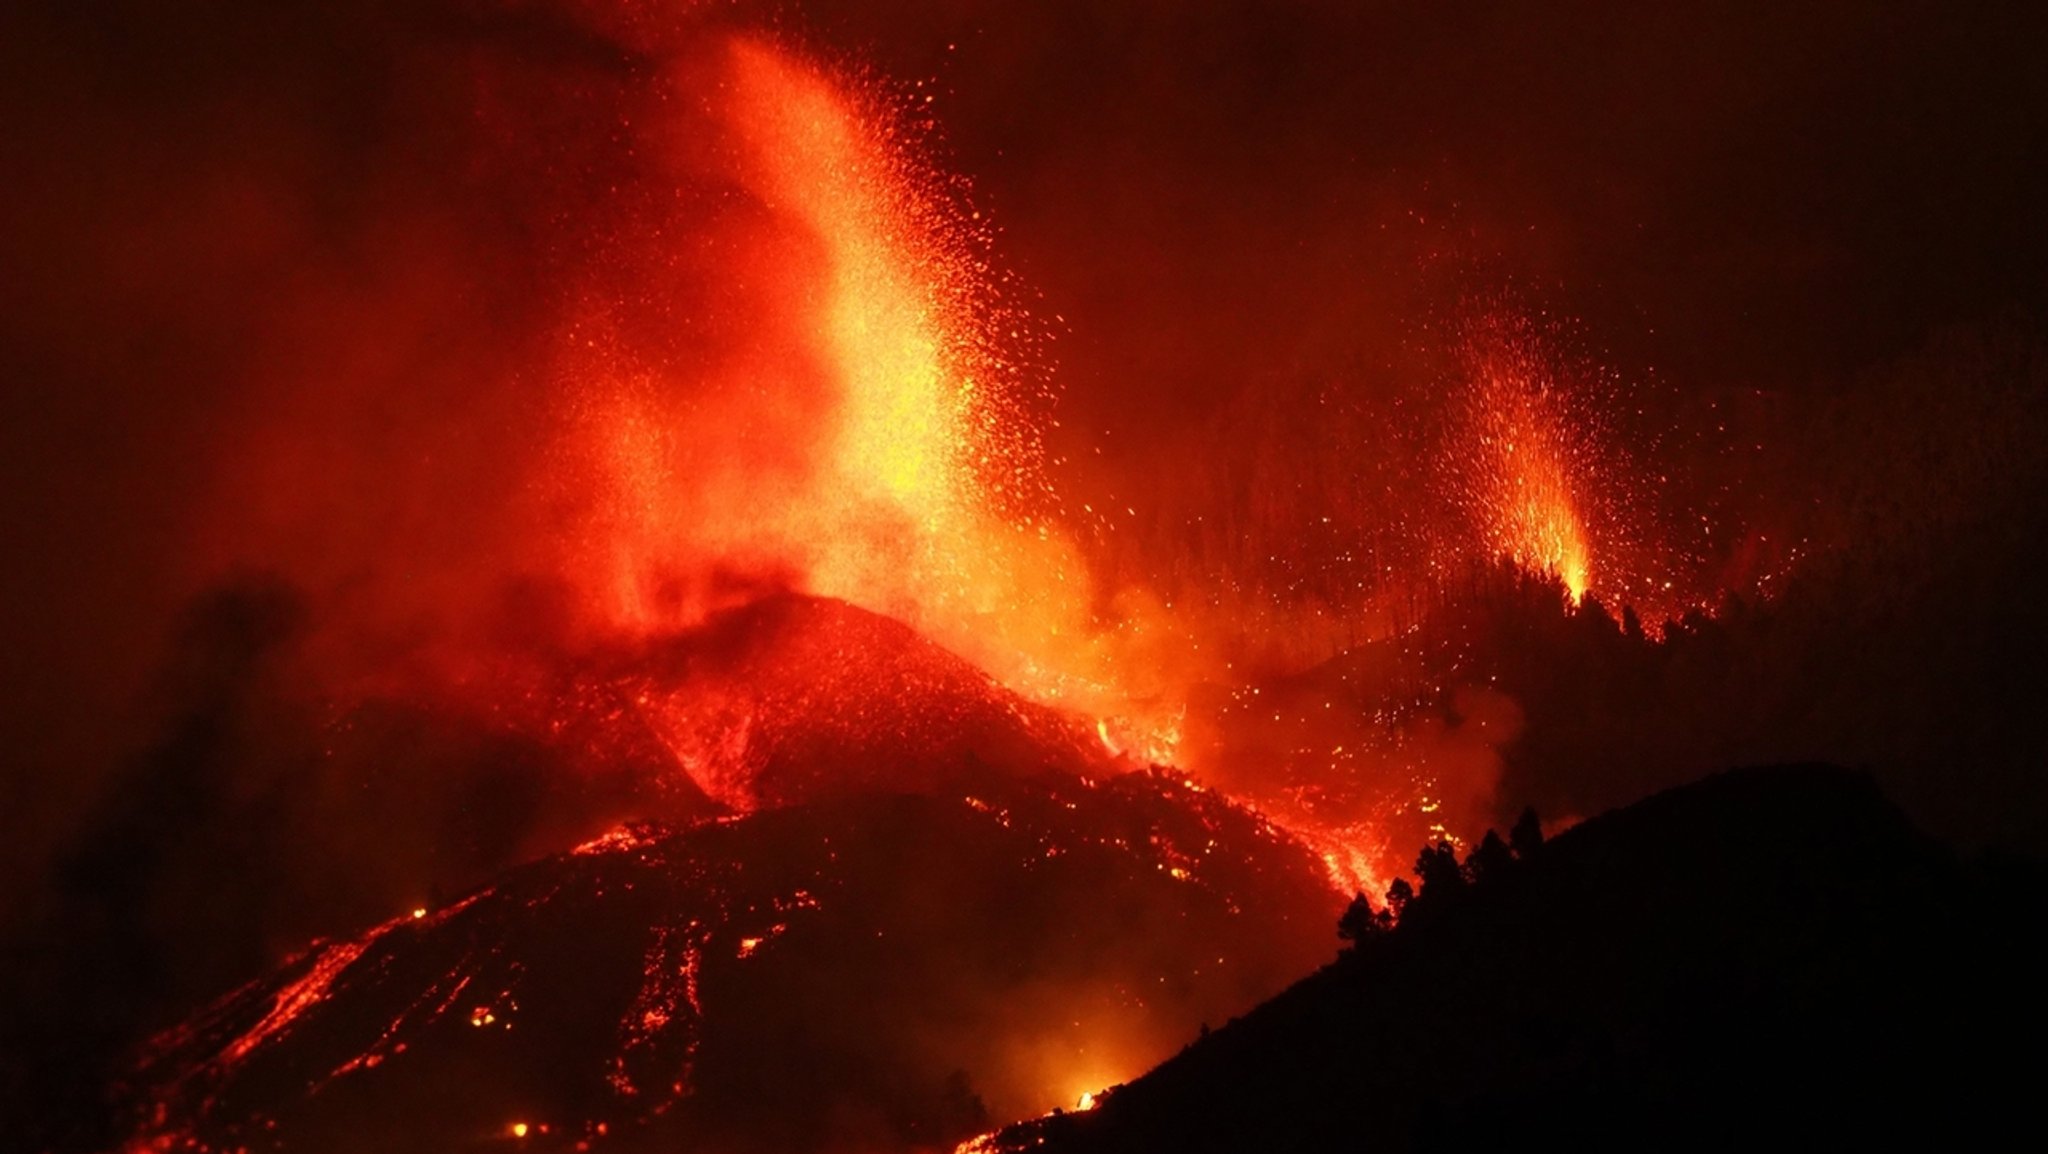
(889, 970)
(790, 699)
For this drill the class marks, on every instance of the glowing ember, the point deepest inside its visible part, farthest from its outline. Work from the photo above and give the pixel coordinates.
(1525, 457)
(294, 999)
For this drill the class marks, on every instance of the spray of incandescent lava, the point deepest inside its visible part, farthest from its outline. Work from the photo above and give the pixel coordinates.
(776, 354)
(885, 452)
(1523, 457)
(882, 447)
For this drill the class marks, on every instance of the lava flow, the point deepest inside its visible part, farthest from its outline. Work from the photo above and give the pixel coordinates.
(780, 981)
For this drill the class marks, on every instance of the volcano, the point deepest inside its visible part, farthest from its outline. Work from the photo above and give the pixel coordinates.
(938, 906)
(811, 576)
(791, 698)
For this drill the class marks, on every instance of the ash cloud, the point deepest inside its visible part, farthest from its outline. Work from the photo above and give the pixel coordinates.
(289, 291)
(230, 210)
(1790, 229)
(288, 288)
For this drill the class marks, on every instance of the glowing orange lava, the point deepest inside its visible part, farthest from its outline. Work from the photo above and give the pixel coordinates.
(1525, 460)
(873, 443)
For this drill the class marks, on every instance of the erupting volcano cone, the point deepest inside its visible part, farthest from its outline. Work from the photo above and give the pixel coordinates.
(926, 921)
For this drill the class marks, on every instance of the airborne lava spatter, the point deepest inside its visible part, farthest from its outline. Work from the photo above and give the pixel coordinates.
(1525, 458)
(859, 425)
(875, 447)
(788, 363)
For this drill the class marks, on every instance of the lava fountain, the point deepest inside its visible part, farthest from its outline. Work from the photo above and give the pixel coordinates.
(877, 445)
(1524, 456)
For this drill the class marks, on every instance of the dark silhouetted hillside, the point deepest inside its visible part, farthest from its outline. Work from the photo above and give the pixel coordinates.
(1765, 958)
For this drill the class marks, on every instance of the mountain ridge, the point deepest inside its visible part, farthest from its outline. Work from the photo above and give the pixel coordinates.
(1764, 956)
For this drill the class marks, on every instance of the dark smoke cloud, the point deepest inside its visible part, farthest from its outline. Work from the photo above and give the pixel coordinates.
(213, 198)
(276, 277)
(1735, 191)
(285, 284)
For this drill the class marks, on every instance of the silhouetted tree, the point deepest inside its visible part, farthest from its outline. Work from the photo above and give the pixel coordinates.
(1594, 613)
(1491, 861)
(1398, 896)
(957, 1112)
(1361, 921)
(1527, 835)
(1631, 624)
(1442, 876)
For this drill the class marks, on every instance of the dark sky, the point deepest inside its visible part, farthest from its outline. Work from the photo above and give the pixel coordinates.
(1732, 192)
(1207, 195)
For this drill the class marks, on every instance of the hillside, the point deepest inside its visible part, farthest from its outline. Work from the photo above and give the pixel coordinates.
(883, 971)
(1767, 957)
